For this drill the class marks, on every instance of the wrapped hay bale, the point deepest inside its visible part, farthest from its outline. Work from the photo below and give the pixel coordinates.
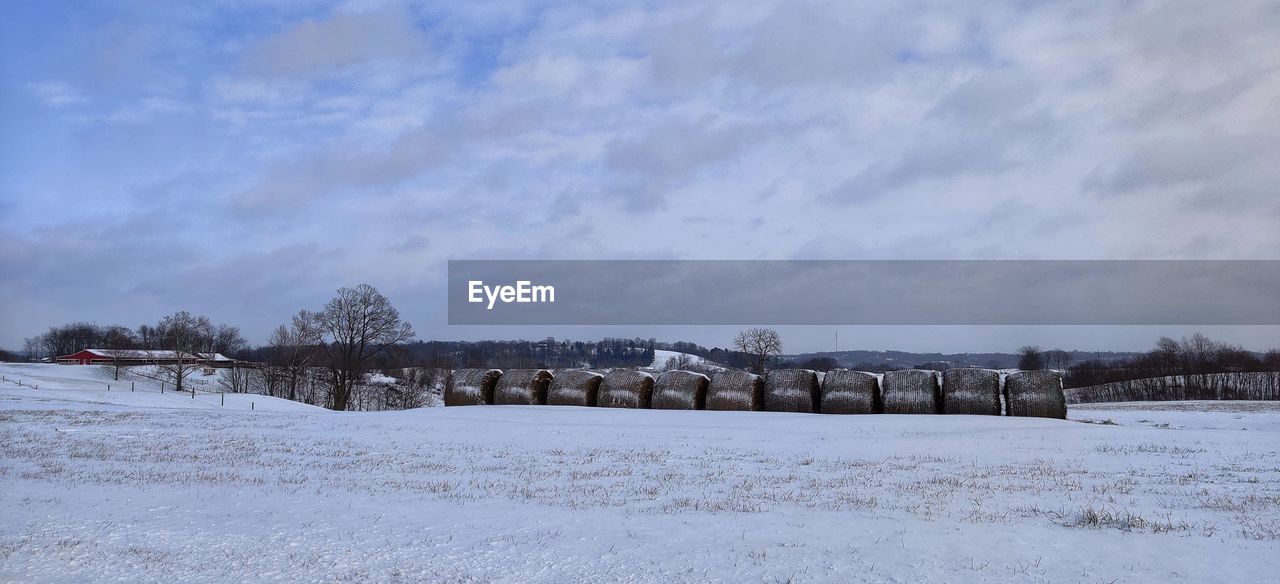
(522, 387)
(911, 391)
(791, 390)
(971, 391)
(625, 389)
(735, 390)
(574, 388)
(470, 387)
(850, 392)
(680, 390)
(1035, 394)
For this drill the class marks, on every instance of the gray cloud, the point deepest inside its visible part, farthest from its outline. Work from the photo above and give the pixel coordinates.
(321, 47)
(333, 146)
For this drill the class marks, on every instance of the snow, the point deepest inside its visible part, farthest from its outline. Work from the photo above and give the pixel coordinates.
(376, 378)
(144, 354)
(660, 358)
(84, 387)
(214, 357)
(97, 487)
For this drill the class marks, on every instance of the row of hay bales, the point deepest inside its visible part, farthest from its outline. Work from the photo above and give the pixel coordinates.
(958, 391)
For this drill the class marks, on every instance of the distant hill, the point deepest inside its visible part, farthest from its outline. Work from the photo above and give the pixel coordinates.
(904, 359)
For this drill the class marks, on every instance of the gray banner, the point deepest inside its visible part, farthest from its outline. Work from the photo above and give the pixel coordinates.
(837, 292)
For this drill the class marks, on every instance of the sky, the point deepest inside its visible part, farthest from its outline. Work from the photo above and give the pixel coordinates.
(243, 160)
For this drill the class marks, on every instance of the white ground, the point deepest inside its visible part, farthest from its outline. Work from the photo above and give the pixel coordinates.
(660, 358)
(145, 487)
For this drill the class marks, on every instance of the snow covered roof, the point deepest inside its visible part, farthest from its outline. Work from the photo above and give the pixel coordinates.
(214, 357)
(140, 354)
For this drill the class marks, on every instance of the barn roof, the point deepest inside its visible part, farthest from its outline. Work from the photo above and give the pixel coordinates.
(214, 357)
(135, 354)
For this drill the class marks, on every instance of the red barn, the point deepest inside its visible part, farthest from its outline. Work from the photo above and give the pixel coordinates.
(128, 356)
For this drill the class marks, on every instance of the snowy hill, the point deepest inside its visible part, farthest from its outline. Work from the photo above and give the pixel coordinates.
(86, 387)
(661, 357)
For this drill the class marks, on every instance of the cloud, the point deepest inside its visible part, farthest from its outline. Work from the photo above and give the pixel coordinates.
(56, 94)
(343, 40)
(411, 134)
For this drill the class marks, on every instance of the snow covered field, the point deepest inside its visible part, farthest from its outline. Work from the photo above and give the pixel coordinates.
(660, 358)
(162, 488)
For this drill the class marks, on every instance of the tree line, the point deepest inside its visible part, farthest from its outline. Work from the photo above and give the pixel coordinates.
(71, 338)
(320, 356)
(1194, 355)
(326, 357)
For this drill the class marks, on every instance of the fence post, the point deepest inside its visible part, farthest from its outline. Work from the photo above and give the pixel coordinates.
(130, 386)
(108, 387)
(251, 405)
(224, 399)
(161, 387)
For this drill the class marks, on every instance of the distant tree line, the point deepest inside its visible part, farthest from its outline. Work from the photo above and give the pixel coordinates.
(356, 353)
(1194, 355)
(74, 337)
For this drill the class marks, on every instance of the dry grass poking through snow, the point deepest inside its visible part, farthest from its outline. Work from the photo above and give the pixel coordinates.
(1047, 480)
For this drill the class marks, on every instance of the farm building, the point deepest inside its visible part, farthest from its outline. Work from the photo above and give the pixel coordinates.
(134, 357)
(217, 360)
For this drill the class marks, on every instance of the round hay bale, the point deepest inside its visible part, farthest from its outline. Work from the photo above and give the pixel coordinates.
(522, 387)
(850, 392)
(971, 391)
(911, 391)
(575, 387)
(625, 388)
(680, 390)
(1035, 394)
(736, 391)
(791, 390)
(470, 387)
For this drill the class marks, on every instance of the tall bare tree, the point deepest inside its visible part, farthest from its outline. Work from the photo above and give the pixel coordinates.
(226, 339)
(33, 347)
(1030, 358)
(147, 337)
(121, 342)
(761, 344)
(184, 334)
(292, 348)
(360, 323)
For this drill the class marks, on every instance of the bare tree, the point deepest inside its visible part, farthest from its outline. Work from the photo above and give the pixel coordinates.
(680, 361)
(120, 341)
(33, 347)
(293, 348)
(183, 334)
(236, 379)
(761, 344)
(226, 339)
(147, 337)
(1057, 359)
(360, 323)
(1030, 358)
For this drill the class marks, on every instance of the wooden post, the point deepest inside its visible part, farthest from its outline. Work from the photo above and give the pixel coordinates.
(108, 387)
(251, 405)
(224, 399)
(130, 386)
